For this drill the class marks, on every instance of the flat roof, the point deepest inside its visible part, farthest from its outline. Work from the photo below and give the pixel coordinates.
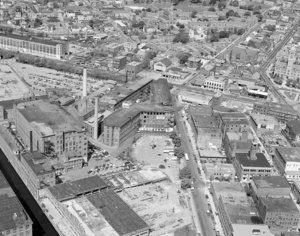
(48, 117)
(161, 92)
(117, 213)
(12, 213)
(38, 163)
(280, 205)
(124, 115)
(270, 182)
(30, 39)
(260, 160)
(289, 153)
(66, 191)
(260, 118)
(250, 230)
(201, 121)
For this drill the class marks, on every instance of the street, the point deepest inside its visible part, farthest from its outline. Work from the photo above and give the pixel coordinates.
(198, 193)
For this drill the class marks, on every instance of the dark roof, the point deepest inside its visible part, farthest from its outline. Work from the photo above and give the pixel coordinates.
(30, 39)
(161, 92)
(118, 214)
(294, 125)
(270, 182)
(8, 104)
(166, 62)
(245, 160)
(12, 213)
(124, 115)
(72, 189)
(38, 163)
(280, 205)
(204, 121)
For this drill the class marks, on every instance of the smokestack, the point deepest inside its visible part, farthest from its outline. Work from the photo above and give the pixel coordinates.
(253, 151)
(96, 119)
(84, 84)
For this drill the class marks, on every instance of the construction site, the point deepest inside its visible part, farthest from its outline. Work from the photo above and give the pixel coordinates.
(162, 206)
(11, 87)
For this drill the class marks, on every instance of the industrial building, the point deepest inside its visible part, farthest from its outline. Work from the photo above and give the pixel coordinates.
(33, 46)
(47, 127)
(14, 220)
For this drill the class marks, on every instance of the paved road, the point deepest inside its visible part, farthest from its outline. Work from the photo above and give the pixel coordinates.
(269, 60)
(198, 194)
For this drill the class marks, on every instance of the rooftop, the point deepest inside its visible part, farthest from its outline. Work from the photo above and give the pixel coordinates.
(12, 213)
(289, 153)
(124, 115)
(260, 160)
(72, 189)
(280, 205)
(278, 107)
(161, 93)
(294, 125)
(118, 214)
(250, 230)
(259, 118)
(48, 118)
(38, 163)
(270, 182)
(31, 39)
(201, 121)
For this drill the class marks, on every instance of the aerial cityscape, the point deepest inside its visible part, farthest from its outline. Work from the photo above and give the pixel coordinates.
(150, 118)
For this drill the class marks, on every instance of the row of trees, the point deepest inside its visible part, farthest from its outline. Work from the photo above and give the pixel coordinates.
(181, 37)
(216, 35)
(178, 150)
(185, 175)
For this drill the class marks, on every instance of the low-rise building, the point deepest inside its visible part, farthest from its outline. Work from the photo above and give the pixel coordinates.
(162, 65)
(233, 122)
(282, 112)
(215, 83)
(251, 164)
(194, 63)
(280, 214)
(270, 186)
(287, 160)
(263, 122)
(14, 220)
(221, 171)
(133, 68)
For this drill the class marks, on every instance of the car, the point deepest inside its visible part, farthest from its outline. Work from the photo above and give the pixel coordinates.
(90, 171)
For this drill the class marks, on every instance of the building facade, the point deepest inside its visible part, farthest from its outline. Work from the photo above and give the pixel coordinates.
(33, 46)
(217, 84)
(282, 113)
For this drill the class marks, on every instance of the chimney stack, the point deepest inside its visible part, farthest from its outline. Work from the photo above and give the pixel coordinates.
(254, 150)
(96, 119)
(84, 85)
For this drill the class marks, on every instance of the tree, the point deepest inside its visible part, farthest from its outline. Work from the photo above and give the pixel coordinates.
(193, 14)
(37, 23)
(212, 2)
(214, 37)
(240, 31)
(221, 6)
(223, 34)
(247, 13)
(181, 37)
(148, 9)
(212, 9)
(221, 18)
(183, 57)
(271, 28)
(186, 183)
(230, 13)
(259, 18)
(185, 173)
(234, 3)
(161, 166)
(179, 152)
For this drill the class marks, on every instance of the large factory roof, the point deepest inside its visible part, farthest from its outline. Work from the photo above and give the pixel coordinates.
(48, 118)
(117, 213)
(30, 39)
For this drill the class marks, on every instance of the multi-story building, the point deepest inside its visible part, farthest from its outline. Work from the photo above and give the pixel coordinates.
(220, 171)
(215, 83)
(282, 112)
(126, 122)
(33, 46)
(119, 63)
(47, 128)
(133, 68)
(237, 212)
(208, 133)
(270, 186)
(194, 62)
(281, 214)
(251, 164)
(262, 122)
(233, 122)
(287, 160)
(14, 220)
(287, 62)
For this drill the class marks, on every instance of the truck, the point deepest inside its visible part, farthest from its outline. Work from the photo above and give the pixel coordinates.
(186, 156)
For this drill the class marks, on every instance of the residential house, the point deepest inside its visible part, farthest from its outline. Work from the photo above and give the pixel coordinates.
(162, 65)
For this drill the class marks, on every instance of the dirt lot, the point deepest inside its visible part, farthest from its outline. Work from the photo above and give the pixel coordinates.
(11, 87)
(149, 150)
(161, 205)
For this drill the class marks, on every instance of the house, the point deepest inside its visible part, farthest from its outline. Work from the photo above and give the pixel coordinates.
(162, 65)
(197, 34)
(108, 27)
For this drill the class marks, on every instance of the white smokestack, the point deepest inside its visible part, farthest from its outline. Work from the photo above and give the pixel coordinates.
(96, 119)
(84, 85)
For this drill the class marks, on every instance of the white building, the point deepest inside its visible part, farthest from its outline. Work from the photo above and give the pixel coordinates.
(162, 65)
(287, 160)
(197, 34)
(215, 83)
